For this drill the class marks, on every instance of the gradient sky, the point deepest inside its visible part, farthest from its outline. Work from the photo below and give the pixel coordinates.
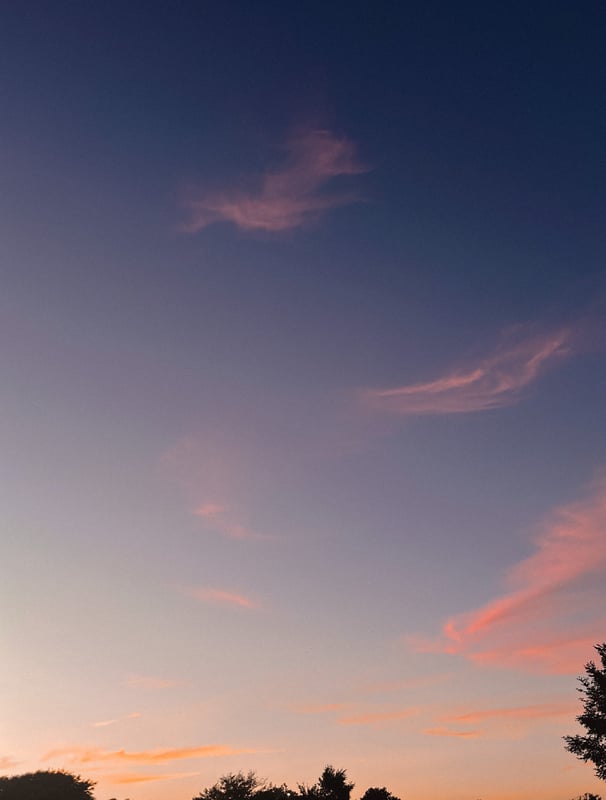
(303, 391)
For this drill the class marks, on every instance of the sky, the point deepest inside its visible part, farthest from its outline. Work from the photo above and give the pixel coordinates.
(303, 455)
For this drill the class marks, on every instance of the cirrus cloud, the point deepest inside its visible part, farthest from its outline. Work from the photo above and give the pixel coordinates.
(220, 597)
(93, 755)
(285, 198)
(495, 381)
(534, 624)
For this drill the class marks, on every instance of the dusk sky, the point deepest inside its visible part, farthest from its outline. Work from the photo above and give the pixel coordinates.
(303, 385)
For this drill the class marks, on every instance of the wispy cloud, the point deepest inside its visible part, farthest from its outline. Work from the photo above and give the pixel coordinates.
(93, 755)
(452, 733)
(378, 717)
(535, 624)
(285, 198)
(221, 520)
(220, 597)
(534, 712)
(141, 777)
(560, 655)
(494, 381)
(6, 762)
(105, 723)
(150, 682)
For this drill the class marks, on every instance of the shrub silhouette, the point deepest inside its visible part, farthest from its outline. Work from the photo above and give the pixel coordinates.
(45, 785)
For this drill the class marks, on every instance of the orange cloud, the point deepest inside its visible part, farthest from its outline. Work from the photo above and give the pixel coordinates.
(286, 198)
(150, 682)
(450, 732)
(6, 762)
(522, 712)
(134, 777)
(494, 382)
(220, 597)
(535, 623)
(376, 718)
(559, 656)
(84, 755)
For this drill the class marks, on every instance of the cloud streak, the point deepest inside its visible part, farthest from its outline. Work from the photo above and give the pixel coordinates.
(535, 712)
(285, 198)
(534, 624)
(495, 381)
(220, 597)
(140, 777)
(94, 755)
(107, 722)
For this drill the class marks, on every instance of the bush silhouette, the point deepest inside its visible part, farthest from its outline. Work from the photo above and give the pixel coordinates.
(45, 785)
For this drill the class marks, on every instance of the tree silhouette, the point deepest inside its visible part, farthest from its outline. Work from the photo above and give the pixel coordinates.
(272, 792)
(45, 785)
(232, 786)
(332, 785)
(592, 747)
(588, 796)
(375, 793)
(239, 786)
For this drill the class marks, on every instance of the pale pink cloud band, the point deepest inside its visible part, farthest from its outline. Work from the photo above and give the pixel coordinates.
(492, 382)
(285, 198)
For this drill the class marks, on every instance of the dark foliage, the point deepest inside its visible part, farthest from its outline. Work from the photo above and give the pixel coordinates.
(45, 785)
(244, 787)
(588, 796)
(375, 793)
(332, 785)
(592, 747)
(232, 787)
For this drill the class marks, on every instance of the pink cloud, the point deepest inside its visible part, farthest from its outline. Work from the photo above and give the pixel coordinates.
(6, 762)
(285, 198)
(92, 755)
(551, 655)
(535, 712)
(534, 624)
(221, 597)
(140, 777)
(492, 382)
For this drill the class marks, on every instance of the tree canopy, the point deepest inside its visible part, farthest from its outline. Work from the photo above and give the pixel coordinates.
(374, 793)
(240, 786)
(592, 746)
(45, 785)
(332, 785)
